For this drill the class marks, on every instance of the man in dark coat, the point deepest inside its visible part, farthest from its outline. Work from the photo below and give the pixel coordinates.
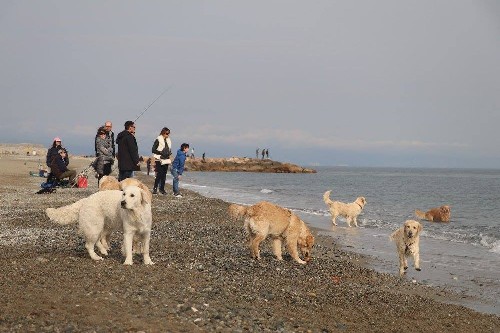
(128, 152)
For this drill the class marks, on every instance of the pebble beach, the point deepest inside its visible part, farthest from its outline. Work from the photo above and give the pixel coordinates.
(203, 279)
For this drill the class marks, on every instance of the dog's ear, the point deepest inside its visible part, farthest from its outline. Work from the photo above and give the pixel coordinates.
(144, 197)
(309, 240)
(419, 228)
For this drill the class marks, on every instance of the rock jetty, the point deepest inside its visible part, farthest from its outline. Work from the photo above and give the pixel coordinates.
(244, 164)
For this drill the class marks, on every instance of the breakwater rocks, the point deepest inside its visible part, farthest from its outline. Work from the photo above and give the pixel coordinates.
(244, 164)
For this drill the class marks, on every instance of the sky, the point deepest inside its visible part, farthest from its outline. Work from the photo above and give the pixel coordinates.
(385, 83)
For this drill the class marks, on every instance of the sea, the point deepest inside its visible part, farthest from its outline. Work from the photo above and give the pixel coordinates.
(462, 256)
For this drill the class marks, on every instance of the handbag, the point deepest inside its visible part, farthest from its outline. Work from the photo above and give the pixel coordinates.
(82, 182)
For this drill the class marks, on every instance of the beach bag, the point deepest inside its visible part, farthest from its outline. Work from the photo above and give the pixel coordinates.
(82, 182)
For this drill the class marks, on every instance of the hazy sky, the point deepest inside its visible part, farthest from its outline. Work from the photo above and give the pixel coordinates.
(360, 83)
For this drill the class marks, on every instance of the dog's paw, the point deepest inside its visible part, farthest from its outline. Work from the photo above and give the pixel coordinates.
(148, 261)
(128, 262)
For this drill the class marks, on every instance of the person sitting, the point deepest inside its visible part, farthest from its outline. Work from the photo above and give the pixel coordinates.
(60, 170)
(54, 152)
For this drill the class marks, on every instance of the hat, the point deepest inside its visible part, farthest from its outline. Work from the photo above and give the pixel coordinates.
(57, 139)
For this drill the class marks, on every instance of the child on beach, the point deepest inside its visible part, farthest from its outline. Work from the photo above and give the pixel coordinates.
(178, 168)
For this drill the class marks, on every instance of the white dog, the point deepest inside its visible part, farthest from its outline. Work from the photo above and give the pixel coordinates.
(102, 212)
(348, 210)
(407, 244)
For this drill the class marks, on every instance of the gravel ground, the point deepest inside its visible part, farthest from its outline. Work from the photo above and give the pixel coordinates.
(203, 278)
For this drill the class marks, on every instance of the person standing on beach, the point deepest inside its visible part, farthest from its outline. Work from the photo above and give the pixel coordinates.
(267, 152)
(148, 165)
(178, 168)
(104, 154)
(257, 153)
(128, 152)
(161, 152)
(263, 152)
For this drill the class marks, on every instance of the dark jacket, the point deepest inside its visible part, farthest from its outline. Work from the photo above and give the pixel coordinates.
(128, 152)
(179, 161)
(54, 152)
(58, 166)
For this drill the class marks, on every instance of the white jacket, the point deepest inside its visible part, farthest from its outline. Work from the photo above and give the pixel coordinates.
(161, 146)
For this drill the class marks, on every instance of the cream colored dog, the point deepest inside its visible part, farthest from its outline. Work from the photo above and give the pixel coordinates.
(111, 183)
(438, 214)
(103, 212)
(407, 240)
(348, 210)
(266, 219)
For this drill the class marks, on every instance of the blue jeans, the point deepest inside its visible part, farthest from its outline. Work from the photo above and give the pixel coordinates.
(175, 181)
(125, 174)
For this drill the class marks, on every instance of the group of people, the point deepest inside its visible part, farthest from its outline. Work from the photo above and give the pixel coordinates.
(127, 156)
(162, 154)
(265, 152)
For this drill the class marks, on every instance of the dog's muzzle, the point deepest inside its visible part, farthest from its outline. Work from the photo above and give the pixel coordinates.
(124, 204)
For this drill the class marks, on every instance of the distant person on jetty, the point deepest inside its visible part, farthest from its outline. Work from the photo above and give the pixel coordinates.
(59, 168)
(161, 152)
(257, 153)
(178, 168)
(263, 153)
(203, 157)
(54, 152)
(192, 152)
(104, 154)
(128, 152)
(267, 153)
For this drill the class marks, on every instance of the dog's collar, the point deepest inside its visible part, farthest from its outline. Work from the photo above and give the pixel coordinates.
(359, 205)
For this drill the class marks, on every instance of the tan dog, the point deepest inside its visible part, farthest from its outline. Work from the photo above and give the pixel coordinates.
(266, 219)
(111, 183)
(407, 239)
(438, 214)
(348, 210)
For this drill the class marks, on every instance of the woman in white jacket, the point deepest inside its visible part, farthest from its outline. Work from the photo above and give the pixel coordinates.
(161, 152)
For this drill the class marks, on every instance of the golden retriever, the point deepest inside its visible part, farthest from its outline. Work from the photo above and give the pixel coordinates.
(101, 213)
(438, 214)
(348, 210)
(407, 239)
(266, 219)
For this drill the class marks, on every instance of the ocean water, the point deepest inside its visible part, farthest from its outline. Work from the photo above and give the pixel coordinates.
(463, 255)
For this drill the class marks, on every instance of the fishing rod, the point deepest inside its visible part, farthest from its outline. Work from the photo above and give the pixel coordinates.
(153, 102)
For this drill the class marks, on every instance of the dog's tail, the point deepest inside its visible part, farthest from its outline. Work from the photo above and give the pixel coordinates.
(65, 215)
(326, 197)
(420, 214)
